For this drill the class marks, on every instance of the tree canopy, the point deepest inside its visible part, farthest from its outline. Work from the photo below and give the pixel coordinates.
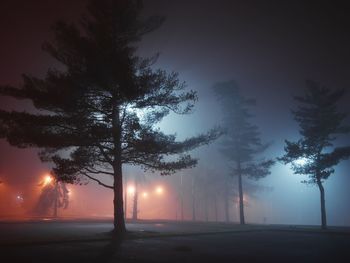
(242, 142)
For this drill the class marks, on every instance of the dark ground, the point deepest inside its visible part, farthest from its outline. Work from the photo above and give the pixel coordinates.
(87, 241)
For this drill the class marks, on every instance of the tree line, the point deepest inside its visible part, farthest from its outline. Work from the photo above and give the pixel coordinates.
(103, 102)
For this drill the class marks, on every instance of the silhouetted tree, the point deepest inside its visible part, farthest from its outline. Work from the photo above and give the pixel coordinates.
(241, 143)
(227, 200)
(181, 198)
(53, 195)
(135, 209)
(102, 107)
(193, 195)
(210, 185)
(319, 122)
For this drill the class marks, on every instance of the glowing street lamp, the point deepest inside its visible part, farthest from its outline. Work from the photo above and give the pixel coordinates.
(159, 190)
(131, 189)
(47, 180)
(19, 199)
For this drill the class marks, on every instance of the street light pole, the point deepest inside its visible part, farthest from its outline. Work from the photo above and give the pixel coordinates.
(193, 200)
(135, 203)
(182, 200)
(56, 199)
(125, 200)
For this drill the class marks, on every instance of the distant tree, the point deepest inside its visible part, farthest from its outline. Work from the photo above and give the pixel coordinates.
(135, 209)
(53, 195)
(181, 197)
(193, 195)
(226, 193)
(241, 144)
(210, 186)
(102, 107)
(319, 122)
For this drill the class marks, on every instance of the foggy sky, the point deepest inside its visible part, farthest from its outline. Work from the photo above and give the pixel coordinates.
(269, 47)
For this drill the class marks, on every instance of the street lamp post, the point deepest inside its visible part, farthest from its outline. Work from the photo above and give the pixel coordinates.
(125, 200)
(56, 199)
(182, 200)
(135, 203)
(130, 190)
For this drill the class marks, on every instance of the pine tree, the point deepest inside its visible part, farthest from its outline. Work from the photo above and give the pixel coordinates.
(241, 144)
(54, 195)
(319, 121)
(103, 106)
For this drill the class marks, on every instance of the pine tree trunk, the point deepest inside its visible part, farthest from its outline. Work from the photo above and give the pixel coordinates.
(193, 209)
(182, 209)
(240, 189)
(125, 202)
(55, 207)
(323, 205)
(216, 209)
(135, 204)
(119, 222)
(182, 200)
(193, 201)
(206, 209)
(227, 213)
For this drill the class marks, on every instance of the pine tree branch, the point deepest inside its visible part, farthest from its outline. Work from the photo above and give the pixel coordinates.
(105, 155)
(96, 180)
(98, 171)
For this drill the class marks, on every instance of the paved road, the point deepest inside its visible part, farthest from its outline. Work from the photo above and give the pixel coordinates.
(28, 242)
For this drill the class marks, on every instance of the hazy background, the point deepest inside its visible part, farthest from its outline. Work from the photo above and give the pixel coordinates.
(268, 47)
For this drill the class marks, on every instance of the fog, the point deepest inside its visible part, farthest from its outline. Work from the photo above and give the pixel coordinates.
(268, 49)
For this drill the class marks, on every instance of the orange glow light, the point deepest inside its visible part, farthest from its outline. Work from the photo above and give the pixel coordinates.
(159, 190)
(145, 194)
(131, 189)
(47, 180)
